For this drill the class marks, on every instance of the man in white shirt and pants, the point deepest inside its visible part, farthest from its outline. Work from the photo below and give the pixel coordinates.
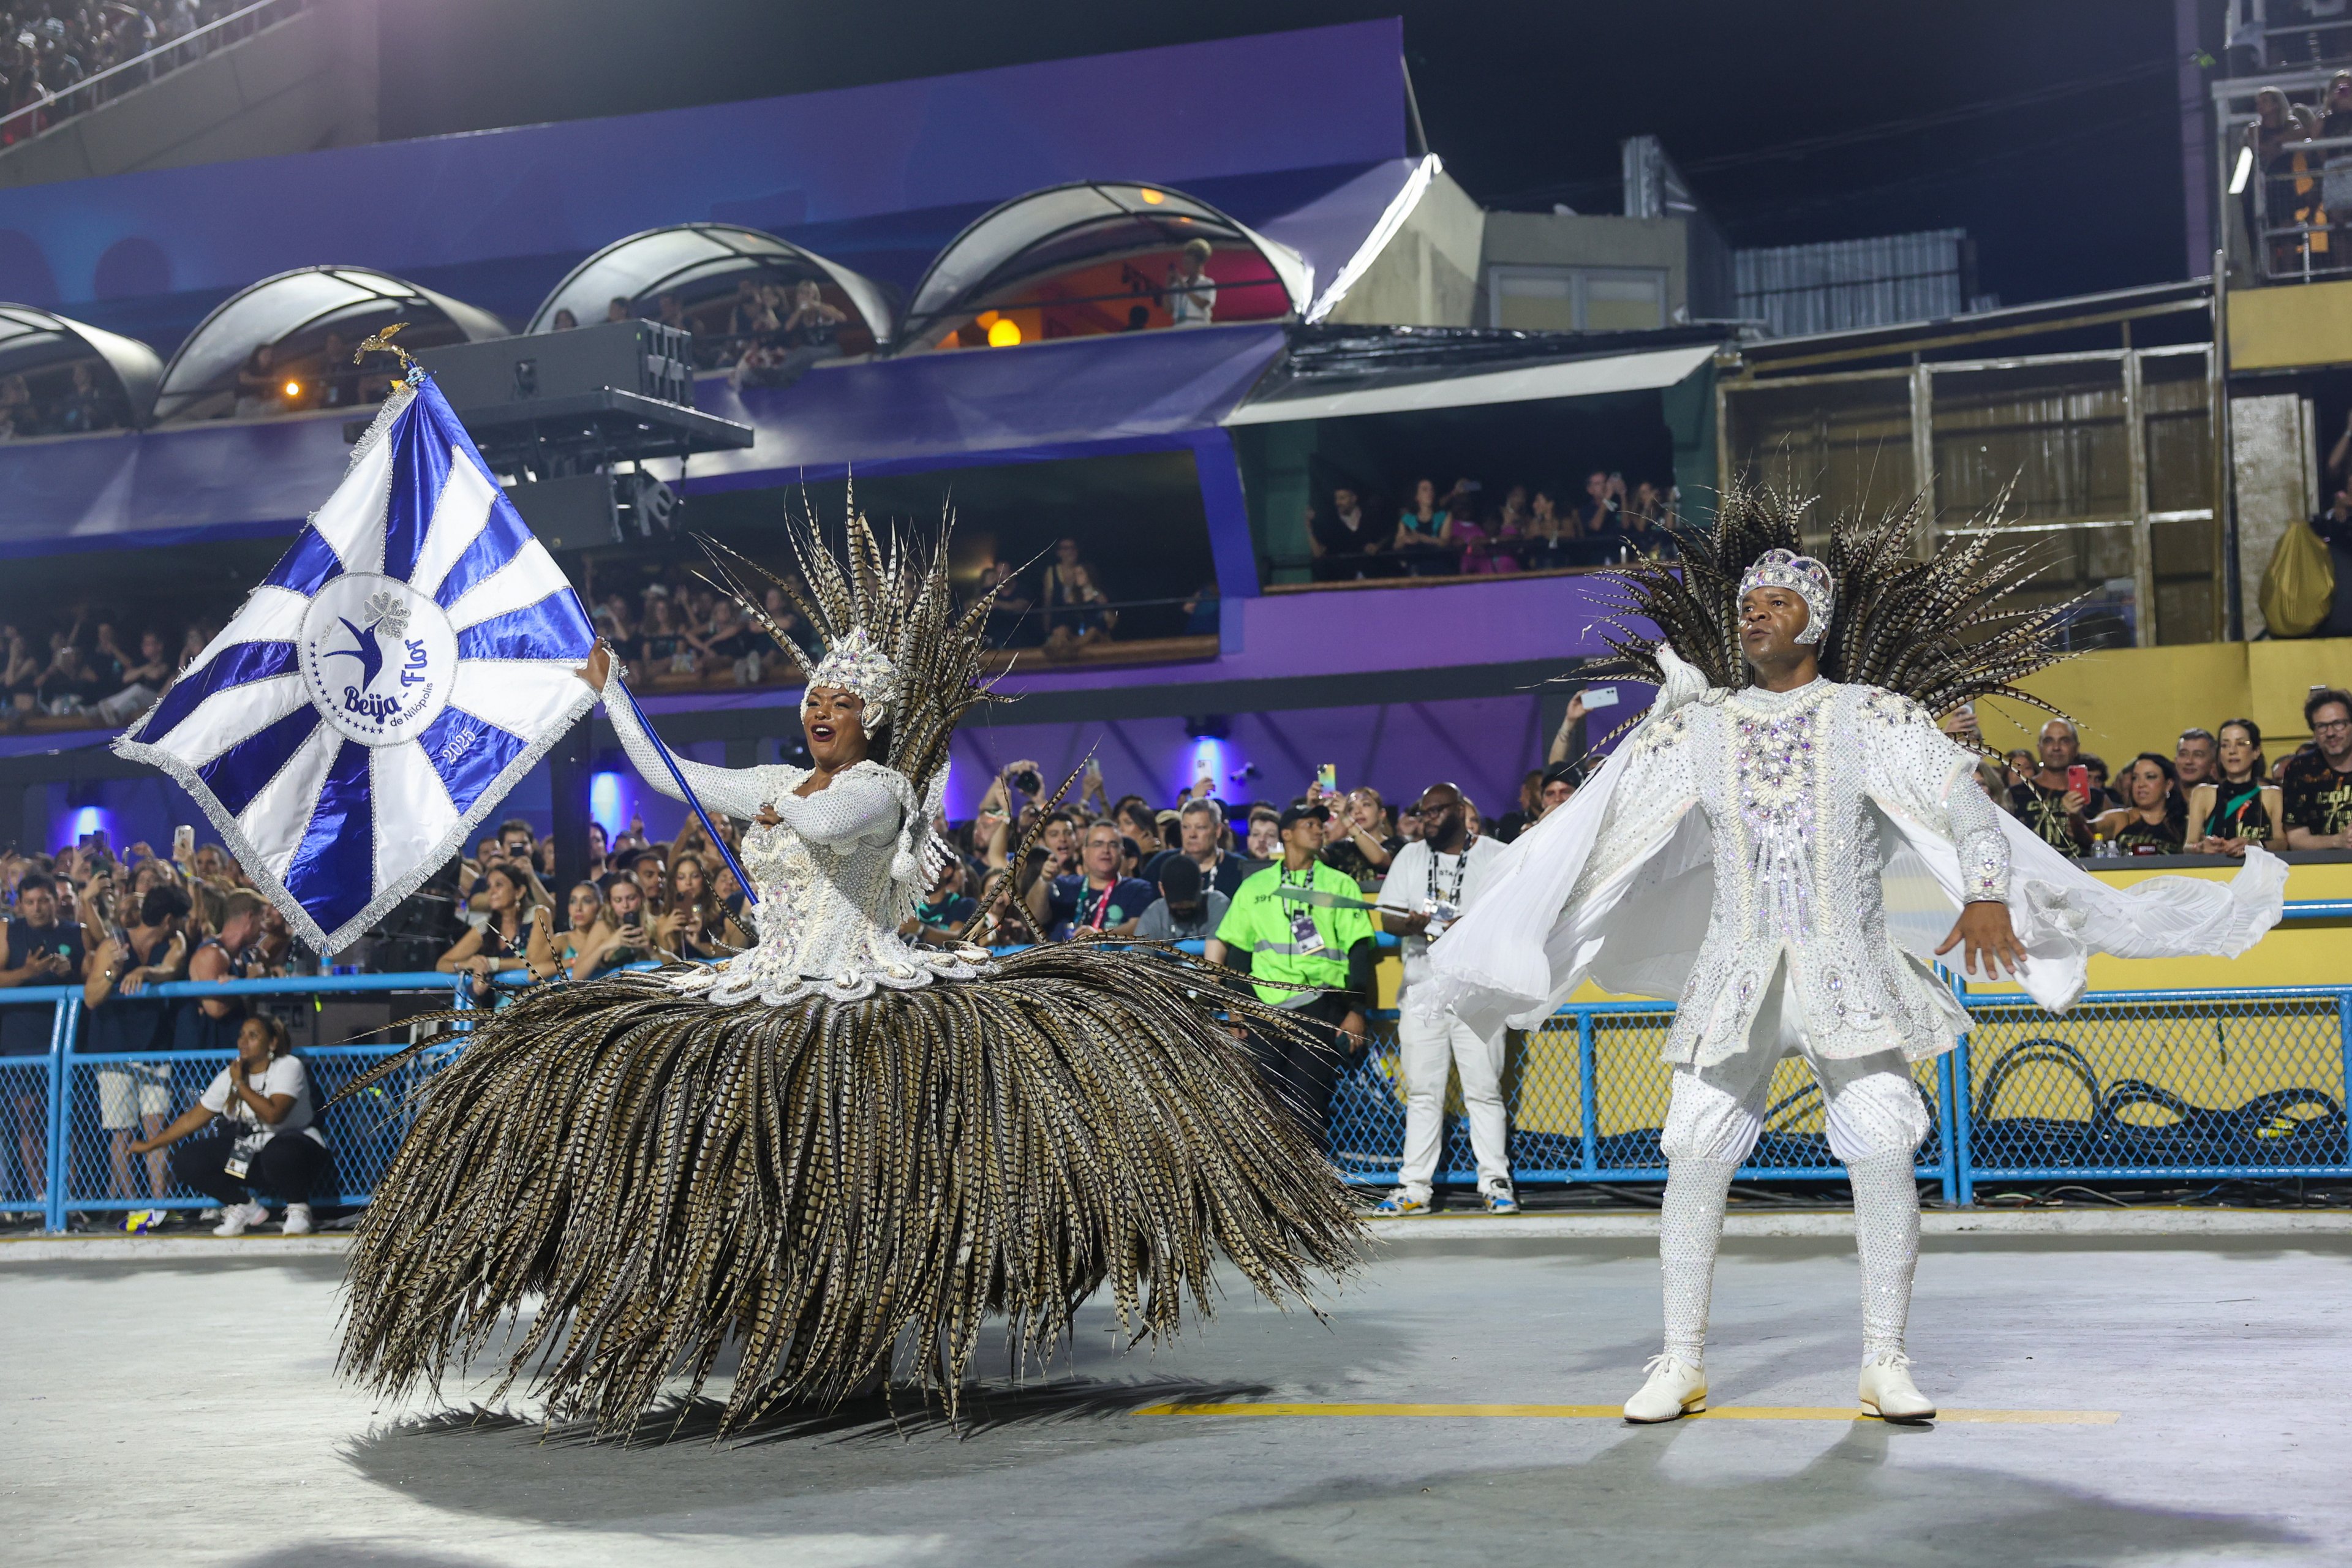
(1432, 880)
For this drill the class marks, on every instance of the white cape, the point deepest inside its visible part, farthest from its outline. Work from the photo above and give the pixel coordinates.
(1515, 955)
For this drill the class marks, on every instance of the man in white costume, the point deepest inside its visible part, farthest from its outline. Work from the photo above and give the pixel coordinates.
(1432, 880)
(1783, 860)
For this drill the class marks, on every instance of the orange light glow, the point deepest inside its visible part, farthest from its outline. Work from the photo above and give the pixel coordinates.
(1153, 197)
(293, 389)
(985, 319)
(1003, 333)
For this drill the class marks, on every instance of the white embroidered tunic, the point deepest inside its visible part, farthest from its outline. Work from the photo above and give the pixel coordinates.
(1791, 786)
(1833, 830)
(831, 899)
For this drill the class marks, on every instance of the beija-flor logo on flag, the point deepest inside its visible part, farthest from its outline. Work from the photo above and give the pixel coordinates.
(401, 668)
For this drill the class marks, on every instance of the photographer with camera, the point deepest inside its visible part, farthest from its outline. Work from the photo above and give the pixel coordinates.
(1430, 883)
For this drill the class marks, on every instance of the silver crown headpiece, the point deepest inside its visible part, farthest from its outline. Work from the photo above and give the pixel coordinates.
(854, 664)
(1802, 575)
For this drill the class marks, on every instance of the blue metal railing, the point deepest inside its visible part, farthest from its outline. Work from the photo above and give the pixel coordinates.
(2186, 1084)
(2220, 1084)
(57, 1157)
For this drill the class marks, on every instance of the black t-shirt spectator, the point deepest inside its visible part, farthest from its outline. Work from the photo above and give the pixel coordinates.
(2318, 799)
(1348, 860)
(24, 1029)
(2043, 812)
(1232, 871)
(1075, 904)
(1345, 548)
(129, 1023)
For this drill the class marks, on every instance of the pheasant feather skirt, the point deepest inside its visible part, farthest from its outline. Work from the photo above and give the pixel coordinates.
(634, 1183)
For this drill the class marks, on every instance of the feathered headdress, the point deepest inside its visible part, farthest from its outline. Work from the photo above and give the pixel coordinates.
(1940, 630)
(885, 620)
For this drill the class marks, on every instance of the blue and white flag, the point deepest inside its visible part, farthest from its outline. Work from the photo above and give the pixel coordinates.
(402, 667)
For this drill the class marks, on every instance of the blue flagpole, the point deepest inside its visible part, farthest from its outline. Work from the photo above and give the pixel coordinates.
(750, 896)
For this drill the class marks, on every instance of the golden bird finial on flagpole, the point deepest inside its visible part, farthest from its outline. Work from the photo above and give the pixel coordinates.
(380, 343)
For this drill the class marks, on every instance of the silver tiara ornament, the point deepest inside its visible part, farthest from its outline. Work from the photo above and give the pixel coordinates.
(1802, 575)
(854, 664)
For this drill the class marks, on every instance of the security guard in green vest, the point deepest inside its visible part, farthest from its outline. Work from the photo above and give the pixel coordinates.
(1301, 921)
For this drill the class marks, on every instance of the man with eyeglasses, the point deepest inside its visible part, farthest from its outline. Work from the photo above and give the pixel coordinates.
(2317, 784)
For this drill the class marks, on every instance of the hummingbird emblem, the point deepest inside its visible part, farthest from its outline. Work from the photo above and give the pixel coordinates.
(389, 615)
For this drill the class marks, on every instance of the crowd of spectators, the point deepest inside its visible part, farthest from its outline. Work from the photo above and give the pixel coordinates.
(116, 926)
(1466, 533)
(92, 669)
(2303, 219)
(53, 45)
(1041, 859)
(2217, 793)
(766, 334)
(68, 399)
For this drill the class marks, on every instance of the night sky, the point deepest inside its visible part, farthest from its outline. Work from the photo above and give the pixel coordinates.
(2055, 145)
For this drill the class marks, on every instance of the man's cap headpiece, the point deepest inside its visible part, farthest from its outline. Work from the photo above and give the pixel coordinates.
(854, 664)
(1802, 575)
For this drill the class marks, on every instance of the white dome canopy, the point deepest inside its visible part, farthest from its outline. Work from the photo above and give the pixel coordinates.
(295, 308)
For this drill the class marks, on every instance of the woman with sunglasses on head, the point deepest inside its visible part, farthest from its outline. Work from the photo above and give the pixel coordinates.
(2245, 807)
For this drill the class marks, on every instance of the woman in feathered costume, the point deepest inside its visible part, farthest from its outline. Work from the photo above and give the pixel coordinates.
(840, 1140)
(1783, 847)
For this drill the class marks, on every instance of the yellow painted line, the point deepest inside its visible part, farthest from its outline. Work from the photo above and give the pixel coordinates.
(1616, 1413)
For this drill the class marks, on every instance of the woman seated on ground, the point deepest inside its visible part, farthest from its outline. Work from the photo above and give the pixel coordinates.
(2148, 823)
(2245, 807)
(699, 925)
(503, 942)
(269, 1146)
(588, 923)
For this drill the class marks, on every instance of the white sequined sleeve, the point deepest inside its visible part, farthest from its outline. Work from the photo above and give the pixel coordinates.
(1919, 768)
(738, 793)
(1659, 784)
(858, 803)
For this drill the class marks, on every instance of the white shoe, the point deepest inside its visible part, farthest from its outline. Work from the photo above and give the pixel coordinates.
(238, 1218)
(1675, 1389)
(1888, 1393)
(298, 1220)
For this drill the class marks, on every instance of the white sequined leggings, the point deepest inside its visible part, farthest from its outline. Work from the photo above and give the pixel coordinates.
(1876, 1123)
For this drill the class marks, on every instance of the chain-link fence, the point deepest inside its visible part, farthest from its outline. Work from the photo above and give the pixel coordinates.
(2187, 1084)
(70, 1117)
(1587, 1095)
(2159, 1083)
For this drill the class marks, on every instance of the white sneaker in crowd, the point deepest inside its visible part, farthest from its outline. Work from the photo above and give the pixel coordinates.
(298, 1220)
(1888, 1393)
(1500, 1199)
(1675, 1389)
(1402, 1202)
(238, 1218)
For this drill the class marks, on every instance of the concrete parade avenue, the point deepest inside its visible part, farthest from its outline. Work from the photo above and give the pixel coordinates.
(2108, 1399)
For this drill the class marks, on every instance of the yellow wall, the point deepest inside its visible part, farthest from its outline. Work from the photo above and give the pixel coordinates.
(2282, 327)
(2140, 699)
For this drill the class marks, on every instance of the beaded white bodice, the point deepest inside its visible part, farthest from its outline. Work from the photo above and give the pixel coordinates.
(1791, 787)
(833, 879)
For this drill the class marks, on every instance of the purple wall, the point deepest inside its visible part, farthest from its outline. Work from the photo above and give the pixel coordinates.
(1314, 98)
(1483, 744)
